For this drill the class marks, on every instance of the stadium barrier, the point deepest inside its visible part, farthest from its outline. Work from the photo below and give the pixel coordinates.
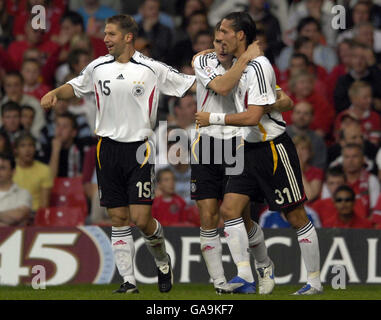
(84, 255)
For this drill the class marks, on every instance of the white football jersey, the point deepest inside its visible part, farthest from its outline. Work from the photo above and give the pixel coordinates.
(127, 94)
(207, 67)
(257, 86)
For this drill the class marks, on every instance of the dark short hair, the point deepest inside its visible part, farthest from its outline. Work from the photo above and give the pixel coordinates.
(73, 57)
(8, 157)
(300, 56)
(346, 188)
(24, 136)
(336, 171)
(353, 146)
(126, 23)
(305, 21)
(10, 106)
(26, 107)
(299, 42)
(7, 145)
(31, 60)
(74, 17)
(160, 173)
(71, 117)
(15, 74)
(242, 21)
(202, 33)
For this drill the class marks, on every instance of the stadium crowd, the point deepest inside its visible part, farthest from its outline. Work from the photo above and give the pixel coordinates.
(47, 159)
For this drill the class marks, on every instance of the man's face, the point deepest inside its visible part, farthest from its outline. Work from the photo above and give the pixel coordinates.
(6, 172)
(83, 61)
(13, 88)
(222, 55)
(353, 160)
(353, 135)
(150, 9)
(303, 86)
(187, 108)
(366, 35)
(310, 31)
(360, 14)
(363, 99)
(230, 40)
(333, 182)
(308, 50)
(358, 61)
(11, 121)
(167, 183)
(25, 150)
(302, 115)
(64, 130)
(27, 117)
(30, 72)
(344, 203)
(197, 23)
(114, 40)
(69, 29)
(297, 64)
(203, 42)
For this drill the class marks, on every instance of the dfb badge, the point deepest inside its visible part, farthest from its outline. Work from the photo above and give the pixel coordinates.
(138, 90)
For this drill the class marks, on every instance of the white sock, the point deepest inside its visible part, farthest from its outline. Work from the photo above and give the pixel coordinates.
(156, 245)
(258, 247)
(238, 242)
(124, 252)
(309, 248)
(211, 249)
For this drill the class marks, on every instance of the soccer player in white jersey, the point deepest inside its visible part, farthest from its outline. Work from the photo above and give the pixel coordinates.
(216, 77)
(126, 85)
(271, 162)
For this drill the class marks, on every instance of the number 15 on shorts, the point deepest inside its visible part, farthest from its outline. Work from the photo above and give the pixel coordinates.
(144, 189)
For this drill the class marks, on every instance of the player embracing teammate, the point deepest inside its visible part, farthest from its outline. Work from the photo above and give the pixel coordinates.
(271, 166)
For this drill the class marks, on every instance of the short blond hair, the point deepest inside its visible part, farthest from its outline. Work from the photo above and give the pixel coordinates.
(357, 86)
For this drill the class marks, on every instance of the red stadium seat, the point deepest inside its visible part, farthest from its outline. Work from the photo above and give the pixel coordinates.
(59, 217)
(69, 192)
(64, 186)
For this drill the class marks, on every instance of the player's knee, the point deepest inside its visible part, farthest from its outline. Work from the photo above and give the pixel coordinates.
(209, 218)
(227, 212)
(118, 218)
(297, 217)
(143, 223)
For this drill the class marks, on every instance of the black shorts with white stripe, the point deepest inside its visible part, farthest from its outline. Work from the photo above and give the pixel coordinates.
(271, 170)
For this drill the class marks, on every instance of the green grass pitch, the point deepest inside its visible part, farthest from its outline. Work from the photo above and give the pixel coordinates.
(180, 292)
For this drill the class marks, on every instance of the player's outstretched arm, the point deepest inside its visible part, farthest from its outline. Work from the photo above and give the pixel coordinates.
(63, 92)
(225, 83)
(250, 117)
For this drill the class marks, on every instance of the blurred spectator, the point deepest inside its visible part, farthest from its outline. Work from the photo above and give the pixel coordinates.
(27, 118)
(54, 10)
(195, 23)
(114, 4)
(11, 120)
(83, 132)
(64, 154)
(168, 207)
(72, 25)
(275, 219)
(301, 86)
(143, 46)
(300, 62)
(31, 73)
(34, 38)
(6, 25)
(345, 56)
(202, 41)
(351, 133)
(302, 116)
(359, 70)
(15, 203)
(5, 144)
(360, 95)
(312, 176)
(345, 215)
(265, 21)
(322, 55)
(184, 112)
(13, 86)
(365, 185)
(325, 206)
(94, 15)
(314, 9)
(31, 174)
(163, 18)
(159, 35)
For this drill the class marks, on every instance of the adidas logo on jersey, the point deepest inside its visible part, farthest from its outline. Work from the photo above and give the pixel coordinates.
(120, 77)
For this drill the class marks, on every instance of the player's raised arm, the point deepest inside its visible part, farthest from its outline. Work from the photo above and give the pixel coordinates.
(63, 92)
(223, 84)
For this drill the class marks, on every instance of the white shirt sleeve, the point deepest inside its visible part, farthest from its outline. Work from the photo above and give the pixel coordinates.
(171, 82)
(83, 84)
(374, 190)
(260, 80)
(205, 72)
